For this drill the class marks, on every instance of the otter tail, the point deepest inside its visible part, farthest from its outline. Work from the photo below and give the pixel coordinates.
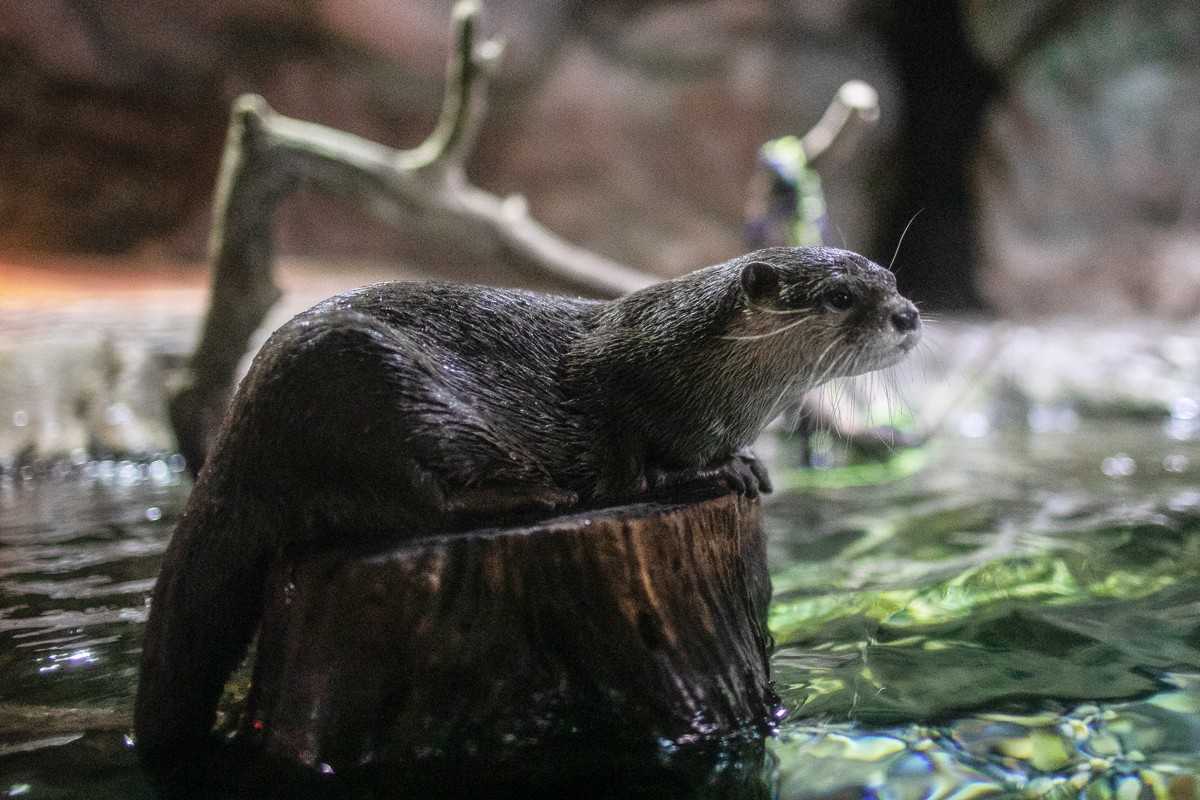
(327, 439)
(312, 447)
(203, 615)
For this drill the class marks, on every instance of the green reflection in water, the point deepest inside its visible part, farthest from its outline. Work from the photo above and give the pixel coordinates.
(996, 618)
(1007, 621)
(903, 464)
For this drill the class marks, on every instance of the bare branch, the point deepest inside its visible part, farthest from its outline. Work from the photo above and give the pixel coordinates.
(267, 155)
(466, 87)
(348, 165)
(853, 110)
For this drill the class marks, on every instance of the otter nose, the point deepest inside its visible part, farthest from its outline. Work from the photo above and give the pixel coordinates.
(906, 319)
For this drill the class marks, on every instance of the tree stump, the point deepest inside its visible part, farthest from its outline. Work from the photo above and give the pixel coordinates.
(630, 626)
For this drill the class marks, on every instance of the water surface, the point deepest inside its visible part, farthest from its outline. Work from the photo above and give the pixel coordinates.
(1019, 617)
(1009, 614)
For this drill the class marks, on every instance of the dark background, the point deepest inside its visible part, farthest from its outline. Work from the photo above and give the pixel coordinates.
(1052, 146)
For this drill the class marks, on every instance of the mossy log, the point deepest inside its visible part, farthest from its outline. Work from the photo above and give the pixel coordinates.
(629, 626)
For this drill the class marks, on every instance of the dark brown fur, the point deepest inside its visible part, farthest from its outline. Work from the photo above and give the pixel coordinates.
(409, 408)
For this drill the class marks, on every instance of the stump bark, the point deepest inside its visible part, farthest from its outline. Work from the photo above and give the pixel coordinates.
(630, 626)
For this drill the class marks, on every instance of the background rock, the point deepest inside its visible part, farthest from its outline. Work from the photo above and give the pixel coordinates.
(1051, 146)
(630, 127)
(1087, 171)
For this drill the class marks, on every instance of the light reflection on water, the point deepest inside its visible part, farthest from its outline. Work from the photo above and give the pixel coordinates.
(1021, 616)
(78, 555)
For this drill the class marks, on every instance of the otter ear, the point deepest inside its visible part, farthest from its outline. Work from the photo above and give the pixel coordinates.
(760, 281)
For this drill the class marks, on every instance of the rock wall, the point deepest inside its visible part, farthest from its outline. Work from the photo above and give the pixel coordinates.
(631, 127)
(1086, 179)
(1054, 145)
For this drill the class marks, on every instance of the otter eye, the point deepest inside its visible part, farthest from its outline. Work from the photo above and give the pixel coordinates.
(839, 300)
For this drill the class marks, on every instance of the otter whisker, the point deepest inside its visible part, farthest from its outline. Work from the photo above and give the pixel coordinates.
(835, 341)
(776, 332)
(854, 363)
(805, 373)
(923, 363)
(821, 377)
(848, 363)
(862, 390)
(889, 402)
(902, 234)
(930, 346)
(833, 395)
(891, 394)
(872, 391)
(813, 375)
(782, 312)
(837, 399)
(831, 392)
(859, 393)
(902, 386)
(787, 388)
(836, 392)
(877, 386)
(836, 366)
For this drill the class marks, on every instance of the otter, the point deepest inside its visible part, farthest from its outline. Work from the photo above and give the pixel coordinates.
(425, 408)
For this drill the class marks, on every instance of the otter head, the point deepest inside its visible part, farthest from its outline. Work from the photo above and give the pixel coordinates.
(828, 313)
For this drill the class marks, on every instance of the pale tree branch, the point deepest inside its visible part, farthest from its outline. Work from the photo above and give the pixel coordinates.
(854, 109)
(268, 155)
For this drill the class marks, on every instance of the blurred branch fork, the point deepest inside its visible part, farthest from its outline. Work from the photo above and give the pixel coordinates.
(268, 155)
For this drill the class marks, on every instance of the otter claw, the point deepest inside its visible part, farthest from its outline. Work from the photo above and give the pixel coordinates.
(751, 478)
(740, 479)
(746, 475)
(758, 469)
(742, 473)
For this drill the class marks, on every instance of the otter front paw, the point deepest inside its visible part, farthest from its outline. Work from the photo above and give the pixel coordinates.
(745, 474)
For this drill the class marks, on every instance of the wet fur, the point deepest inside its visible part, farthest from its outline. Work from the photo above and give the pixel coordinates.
(414, 408)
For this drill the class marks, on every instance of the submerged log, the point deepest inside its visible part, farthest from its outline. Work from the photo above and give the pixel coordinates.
(492, 649)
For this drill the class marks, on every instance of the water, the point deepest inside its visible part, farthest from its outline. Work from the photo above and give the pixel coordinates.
(79, 550)
(1013, 614)
(1021, 616)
